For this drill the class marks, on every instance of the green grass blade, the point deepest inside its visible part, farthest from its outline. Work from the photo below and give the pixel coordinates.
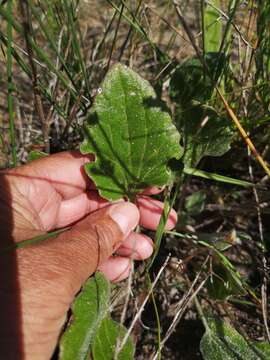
(73, 27)
(33, 241)
(49, 38)
(168, 204)
(41, 54)
(226, 42)
(217, 177)
(22, 64)
(139, 28)
(212, 28)
(115, 36)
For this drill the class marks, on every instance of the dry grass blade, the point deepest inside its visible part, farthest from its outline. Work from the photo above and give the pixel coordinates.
(183, 304)
(140, 310)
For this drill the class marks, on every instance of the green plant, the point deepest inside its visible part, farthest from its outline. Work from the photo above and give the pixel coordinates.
(195, 57)
(221, 341)
(133, 140)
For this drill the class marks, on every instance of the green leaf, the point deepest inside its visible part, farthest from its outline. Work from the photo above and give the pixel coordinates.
(204, 131)
(89, 309)
(190, 81)
(221, 341)
(131, 136)
(222, 284)
(205, 134)
(263, 347)
(106, 340)
(36, 154)
(195, 203)
(212, 31)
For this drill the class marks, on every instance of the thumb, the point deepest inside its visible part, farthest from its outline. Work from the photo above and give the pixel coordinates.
(49, 274)
(94, 239)
(75, 254)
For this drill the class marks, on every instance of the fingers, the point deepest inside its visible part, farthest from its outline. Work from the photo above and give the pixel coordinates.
(151, 210)
(153, 190)
(49, 274)
(64, 171)
(136, 246)
(72, 210)
(75, 254)
(116, 268)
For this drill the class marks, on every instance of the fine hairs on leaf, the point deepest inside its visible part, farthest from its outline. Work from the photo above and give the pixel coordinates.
(91, 328)
(222, 341)
(88, 311)
(132, 138)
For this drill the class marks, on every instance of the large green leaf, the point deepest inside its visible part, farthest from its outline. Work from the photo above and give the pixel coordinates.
(132, 137)
(221, 341)
(108, 336)
(89, 309)
(195, 203)
(205, 133)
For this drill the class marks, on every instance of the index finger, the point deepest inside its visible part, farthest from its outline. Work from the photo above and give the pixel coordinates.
(64, 171)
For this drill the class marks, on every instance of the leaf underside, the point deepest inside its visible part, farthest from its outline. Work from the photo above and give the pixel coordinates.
(106, 340)
(131, 137)
(89, 309)
(221, 341)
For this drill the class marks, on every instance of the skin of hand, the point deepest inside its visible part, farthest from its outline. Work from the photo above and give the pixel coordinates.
(39, 282)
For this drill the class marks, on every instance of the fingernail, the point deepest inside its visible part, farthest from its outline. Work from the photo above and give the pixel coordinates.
(126, 215)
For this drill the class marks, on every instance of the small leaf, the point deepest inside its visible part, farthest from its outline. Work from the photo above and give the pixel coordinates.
(221, 341)
(106, 340)
(36, 154)
(195, 203)
(222, 284)
(205, 134)
(221, 241)
(89, 308)
(132, 138)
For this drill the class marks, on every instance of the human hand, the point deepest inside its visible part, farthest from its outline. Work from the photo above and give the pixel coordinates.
(39, 282)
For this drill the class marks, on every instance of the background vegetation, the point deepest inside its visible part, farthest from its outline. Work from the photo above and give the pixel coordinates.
(210, 62)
